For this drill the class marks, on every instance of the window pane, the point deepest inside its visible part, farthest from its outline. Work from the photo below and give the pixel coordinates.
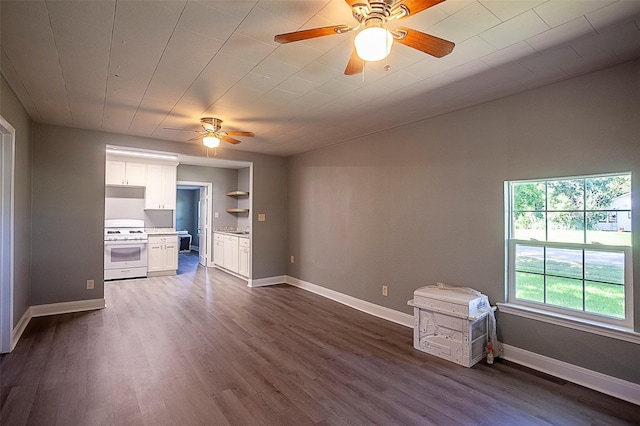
(529, 259)
(529, 226)
(565, 292)
(603, 192)
(530, 286)
(566, 194)
(564, 262)
(601, 230)
(605, 299)
(604, 266)
(529, 196)
(566, 227)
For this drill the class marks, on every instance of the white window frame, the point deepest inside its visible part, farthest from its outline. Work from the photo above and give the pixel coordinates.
(541, 307)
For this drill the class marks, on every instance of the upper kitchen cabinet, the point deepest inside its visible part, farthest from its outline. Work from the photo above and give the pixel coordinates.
(161, 187)
(125, 173)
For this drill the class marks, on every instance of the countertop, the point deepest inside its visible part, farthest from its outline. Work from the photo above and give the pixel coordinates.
(235, 234)
(160, 231)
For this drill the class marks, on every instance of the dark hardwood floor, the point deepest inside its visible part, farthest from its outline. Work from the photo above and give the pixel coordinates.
(202, 348)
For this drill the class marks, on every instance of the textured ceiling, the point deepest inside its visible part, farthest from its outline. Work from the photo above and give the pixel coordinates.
(138, 67)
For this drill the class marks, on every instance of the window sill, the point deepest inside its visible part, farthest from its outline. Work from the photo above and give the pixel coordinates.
(588, 326)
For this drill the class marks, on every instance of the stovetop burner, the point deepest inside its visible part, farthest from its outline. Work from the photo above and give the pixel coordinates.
(124, 230)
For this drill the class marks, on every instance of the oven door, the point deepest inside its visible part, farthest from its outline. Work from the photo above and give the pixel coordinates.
(125, 254)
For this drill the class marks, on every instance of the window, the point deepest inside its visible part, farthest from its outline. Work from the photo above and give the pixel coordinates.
(569, 246)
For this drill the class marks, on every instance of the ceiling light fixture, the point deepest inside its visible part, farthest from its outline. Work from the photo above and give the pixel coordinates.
(374, 42)
(211, 141)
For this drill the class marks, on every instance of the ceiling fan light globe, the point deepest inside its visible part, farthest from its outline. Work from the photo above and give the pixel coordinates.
(211, 142)
(373, 44)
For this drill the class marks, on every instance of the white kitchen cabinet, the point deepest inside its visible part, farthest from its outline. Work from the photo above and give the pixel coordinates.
(232, 253)
(125, 173)
(162, 255)
(161, 187)
(218, 249)
(231, 260)
(244, 251)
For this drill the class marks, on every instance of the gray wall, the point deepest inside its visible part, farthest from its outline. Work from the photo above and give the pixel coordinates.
(424, 202)
(14, 113)
(244, 184)
(68, 215)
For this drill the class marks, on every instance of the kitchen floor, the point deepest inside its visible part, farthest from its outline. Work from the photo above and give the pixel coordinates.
(188, 262)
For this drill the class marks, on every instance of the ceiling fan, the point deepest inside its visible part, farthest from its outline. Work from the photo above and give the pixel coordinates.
(211, 134)
(374, 40)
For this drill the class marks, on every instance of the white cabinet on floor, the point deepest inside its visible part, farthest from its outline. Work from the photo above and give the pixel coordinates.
(243, 256)
(230, 260)
(125, 173)
(163, 255)
(218, 249)
(232, 253)
(161, 187)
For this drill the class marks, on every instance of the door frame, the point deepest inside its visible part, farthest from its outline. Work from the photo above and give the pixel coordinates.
(7, 226)
(209, 207)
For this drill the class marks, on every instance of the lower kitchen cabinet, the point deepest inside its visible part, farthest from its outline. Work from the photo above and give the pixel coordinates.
(218, 249)
(230, 260)
(231, 253)
(163, 255)
(243, 256)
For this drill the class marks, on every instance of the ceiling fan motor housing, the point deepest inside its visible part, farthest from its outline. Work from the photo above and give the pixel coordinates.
(211, 123)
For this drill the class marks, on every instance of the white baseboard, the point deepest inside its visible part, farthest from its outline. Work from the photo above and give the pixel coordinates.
(67, 307)
(262, 282)
(361, 305)
(609, 385)
(53, 309)
(20, 327)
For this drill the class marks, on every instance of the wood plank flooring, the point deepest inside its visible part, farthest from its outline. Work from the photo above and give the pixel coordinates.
(201, 348)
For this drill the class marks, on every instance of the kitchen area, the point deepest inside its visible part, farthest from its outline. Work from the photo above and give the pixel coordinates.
(148, 195)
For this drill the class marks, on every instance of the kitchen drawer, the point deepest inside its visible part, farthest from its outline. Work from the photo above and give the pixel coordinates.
(218, 237)
(244, 242)
(163, 239)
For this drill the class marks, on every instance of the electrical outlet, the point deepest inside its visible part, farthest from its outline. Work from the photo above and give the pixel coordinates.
(385, 290)
(216, 215)
(262, 217)
(293, 259)
(90, 284)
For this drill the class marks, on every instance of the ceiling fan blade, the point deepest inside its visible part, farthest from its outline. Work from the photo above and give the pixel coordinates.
(413, 7)
(313, 33)
(426, 43)
(355, 65)
(197, 138)
(230, 140)
(250, 134)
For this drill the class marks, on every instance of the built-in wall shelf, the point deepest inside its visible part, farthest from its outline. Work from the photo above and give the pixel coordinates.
(237, 210)
(238, 194)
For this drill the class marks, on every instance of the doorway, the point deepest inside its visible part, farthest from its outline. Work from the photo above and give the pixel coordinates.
(7, 184)
(193, 222)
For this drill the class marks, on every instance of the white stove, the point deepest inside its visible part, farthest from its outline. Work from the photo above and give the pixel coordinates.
(125, 249)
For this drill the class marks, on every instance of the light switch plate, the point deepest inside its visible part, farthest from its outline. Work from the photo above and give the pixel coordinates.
(262, 217)
(216, 215)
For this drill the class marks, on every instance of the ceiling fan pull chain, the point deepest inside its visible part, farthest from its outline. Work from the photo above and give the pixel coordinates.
(363, 67)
